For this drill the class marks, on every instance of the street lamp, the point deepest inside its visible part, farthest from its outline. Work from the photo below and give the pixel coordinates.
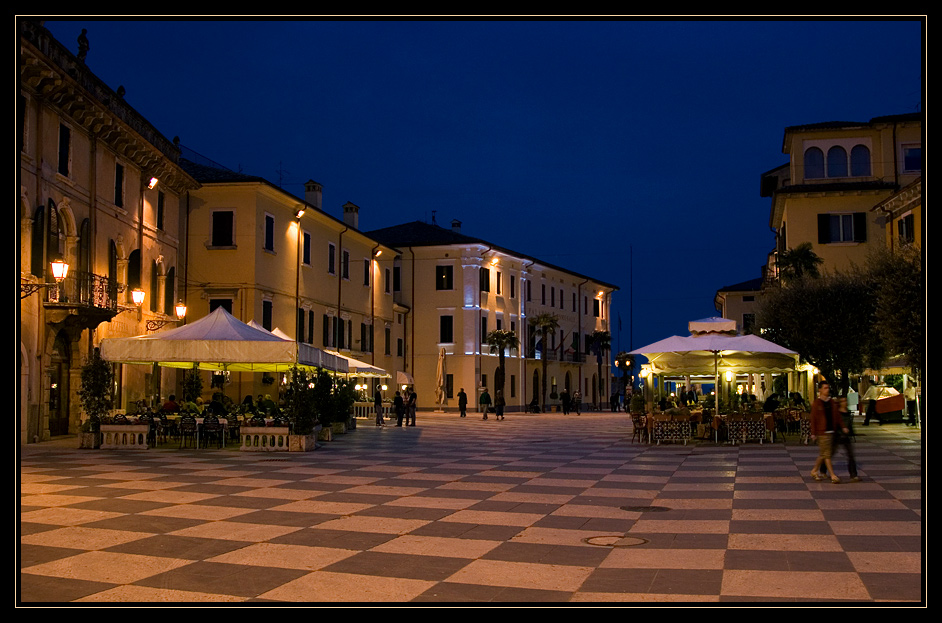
(179, 310)
(60, 269)
(137, 295)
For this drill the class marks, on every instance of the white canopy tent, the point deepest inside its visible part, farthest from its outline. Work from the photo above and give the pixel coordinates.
(218, 341)
(712, 348)
(355, 367)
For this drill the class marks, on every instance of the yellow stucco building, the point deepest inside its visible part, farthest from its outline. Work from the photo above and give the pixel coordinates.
(837, 173)
(459, 288)
(101, 189)
(270, 257)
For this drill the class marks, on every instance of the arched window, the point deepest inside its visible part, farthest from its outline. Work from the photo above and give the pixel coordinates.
(860, 161)
(837, 162)
(814, 163)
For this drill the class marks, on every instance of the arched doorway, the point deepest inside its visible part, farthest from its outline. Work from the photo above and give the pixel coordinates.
(568, 385)
(59, 385)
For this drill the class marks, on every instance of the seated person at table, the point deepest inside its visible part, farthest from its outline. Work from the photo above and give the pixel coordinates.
(266, 406)
(248, 406)
(771, 403)
(216, 407)
(171, 405)
(193, 407)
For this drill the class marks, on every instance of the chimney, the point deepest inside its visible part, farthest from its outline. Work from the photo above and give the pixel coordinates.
(313, 193)
(456, 226)
(351, 215)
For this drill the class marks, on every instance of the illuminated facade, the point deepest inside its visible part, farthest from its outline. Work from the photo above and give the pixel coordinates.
(459, 288)
(101, 189)
(316, 278)
(837, 173)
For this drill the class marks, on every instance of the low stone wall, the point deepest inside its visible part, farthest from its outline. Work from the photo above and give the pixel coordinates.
(124, 436)
(264, 438)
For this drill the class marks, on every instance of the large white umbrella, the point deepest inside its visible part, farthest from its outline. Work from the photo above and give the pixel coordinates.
(218, 341)
(712, 347)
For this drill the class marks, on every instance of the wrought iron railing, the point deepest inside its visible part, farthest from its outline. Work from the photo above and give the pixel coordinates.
(85, 290)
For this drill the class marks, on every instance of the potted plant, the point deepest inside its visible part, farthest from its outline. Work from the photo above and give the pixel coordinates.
(341, 406)
(302, 415)
(95, 396)
(637, 404)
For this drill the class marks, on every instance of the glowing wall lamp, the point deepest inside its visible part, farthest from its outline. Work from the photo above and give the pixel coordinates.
(152, 183)
(137, 295)
(60, 269)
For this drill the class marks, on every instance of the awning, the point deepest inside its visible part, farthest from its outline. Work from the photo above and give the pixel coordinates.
(404, 378)
(356, 367)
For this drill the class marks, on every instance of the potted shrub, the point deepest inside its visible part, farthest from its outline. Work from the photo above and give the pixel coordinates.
(342, 401)
(637, 404)
(95, 396)
(302, 415)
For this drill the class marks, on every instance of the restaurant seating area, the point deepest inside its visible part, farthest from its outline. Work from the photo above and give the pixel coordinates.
(180, 430)
(682, 425)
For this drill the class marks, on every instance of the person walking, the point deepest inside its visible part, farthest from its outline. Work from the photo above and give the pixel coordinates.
(399, 406)
(910, 395)
(577, 402)
(499, 405)
(825, 419)
(378, 406)
(566, 400)
(485, 402)
(462, 402)
(842, 438)
(410, 408)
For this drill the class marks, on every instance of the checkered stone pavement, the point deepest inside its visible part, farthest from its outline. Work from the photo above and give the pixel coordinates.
(533, 509)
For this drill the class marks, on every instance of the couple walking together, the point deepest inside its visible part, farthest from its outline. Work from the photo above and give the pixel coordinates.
(830, 428)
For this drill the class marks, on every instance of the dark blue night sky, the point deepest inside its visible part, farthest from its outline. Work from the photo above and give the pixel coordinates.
(572, 141)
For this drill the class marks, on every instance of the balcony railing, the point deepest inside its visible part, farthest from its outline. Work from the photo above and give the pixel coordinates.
(85, 290)
(555, 355)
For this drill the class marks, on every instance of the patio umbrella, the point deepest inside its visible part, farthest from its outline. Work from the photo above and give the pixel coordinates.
(712, 345)
(440, 391)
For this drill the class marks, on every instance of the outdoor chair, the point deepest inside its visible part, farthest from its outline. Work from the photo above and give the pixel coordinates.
(638, 428)
(212, 431)
(187, 430)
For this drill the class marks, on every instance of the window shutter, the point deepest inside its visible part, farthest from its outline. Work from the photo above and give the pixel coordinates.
(860, 227)
(824, 228)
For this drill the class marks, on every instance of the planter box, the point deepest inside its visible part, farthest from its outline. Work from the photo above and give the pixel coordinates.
(338, 428)
(303, 443)
(276, 439)
(351, 423)
(324, 434)
(91, 441)
(124, 436)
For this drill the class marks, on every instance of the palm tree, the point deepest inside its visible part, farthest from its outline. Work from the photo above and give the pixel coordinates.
(600, 342)
(799, 262)
(500, 341)
(544, 325)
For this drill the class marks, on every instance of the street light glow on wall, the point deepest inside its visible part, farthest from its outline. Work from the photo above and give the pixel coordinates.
(152, 183)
